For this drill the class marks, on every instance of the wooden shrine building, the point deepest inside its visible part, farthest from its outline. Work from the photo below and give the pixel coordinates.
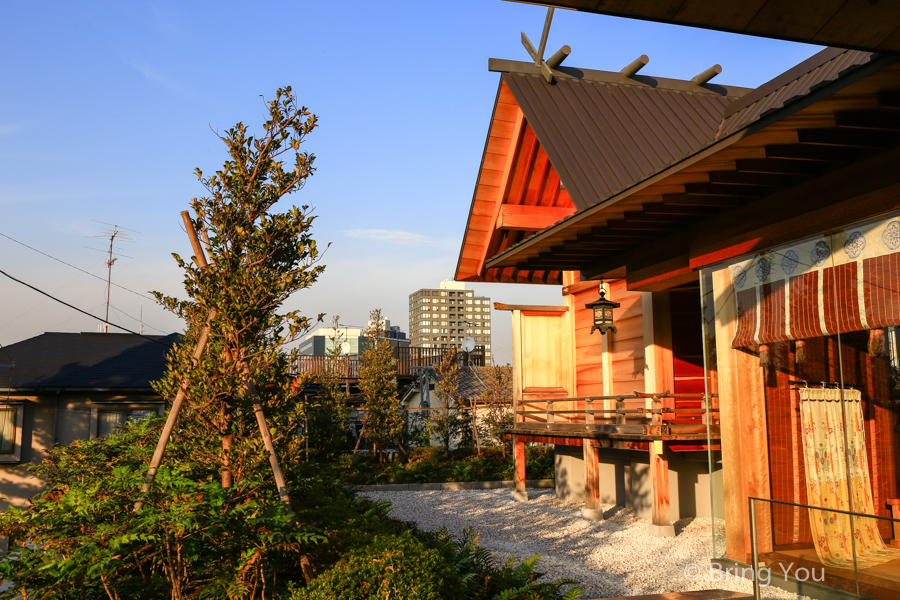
(752, 240)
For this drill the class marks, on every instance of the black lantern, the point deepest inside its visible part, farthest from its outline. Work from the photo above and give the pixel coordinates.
(603, 313)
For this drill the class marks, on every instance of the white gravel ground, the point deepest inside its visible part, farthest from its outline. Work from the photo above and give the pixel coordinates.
(615, 557)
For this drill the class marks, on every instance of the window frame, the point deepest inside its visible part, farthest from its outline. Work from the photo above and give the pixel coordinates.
(14, 455)
(117, 406)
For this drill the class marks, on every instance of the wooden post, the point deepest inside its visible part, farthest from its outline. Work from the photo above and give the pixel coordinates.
(894, 504)
(591, 510)
(742, 417)
(620, 416)
(550, 415)
(660, 519)
(588, 415)
(656, 417)
(519, 493)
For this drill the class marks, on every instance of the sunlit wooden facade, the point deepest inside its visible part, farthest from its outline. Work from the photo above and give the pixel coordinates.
(758, 263)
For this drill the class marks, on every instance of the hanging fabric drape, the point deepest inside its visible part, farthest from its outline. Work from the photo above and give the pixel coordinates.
(7, 429)
(828, 453)
(844, 281)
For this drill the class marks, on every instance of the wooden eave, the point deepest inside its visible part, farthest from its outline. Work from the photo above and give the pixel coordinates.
(863, 25)
(826, 146)
(555, 149)
(517, 194)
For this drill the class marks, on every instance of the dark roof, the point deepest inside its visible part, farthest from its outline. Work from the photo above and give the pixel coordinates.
(86, 361)
(472, 382)
(604, 136)
(795, 83)
(868, 25)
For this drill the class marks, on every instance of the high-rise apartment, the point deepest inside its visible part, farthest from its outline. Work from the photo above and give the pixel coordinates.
(442, 317)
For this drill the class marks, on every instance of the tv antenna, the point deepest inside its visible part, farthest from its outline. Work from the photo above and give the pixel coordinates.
(113, 233)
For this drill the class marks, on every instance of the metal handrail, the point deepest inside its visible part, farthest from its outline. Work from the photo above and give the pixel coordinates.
(754, 546)
(834, 510)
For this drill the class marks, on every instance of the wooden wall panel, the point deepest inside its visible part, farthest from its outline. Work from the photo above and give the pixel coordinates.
(588, 349)
(624, 367)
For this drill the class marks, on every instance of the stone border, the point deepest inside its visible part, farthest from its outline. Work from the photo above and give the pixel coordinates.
(451, 485)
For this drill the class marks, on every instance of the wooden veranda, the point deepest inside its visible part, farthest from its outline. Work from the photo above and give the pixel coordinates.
(598, 422)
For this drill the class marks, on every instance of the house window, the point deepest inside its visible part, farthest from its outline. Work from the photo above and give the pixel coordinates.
(110, 420)
(7, 430)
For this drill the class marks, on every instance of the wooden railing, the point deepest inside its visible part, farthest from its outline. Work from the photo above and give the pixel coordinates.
(614, 418)
(406, 359)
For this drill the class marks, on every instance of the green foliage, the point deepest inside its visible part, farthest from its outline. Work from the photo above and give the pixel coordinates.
(481, 578)
(497, 399)
(328, 414)
(193, 539)
(378, 382)
(413, 565)
(448, 422)
(392, 566)
(257, 259)
(433, 465)
(415, 430)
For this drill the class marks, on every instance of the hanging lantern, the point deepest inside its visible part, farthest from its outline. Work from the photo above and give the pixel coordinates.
(603, 313)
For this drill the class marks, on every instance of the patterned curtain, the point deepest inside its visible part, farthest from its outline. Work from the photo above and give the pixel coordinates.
(826, 455)
(845, 281)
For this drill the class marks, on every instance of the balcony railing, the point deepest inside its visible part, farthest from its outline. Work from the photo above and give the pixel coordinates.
(406, 359)
(611, 415)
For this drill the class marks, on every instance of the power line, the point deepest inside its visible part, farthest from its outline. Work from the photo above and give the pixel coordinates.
(74, 267)
(79, 310)
(122, 312)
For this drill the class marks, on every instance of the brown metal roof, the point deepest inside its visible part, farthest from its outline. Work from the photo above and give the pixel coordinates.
(861, 24)
(603, 137)
(830, 111)
(824, 67)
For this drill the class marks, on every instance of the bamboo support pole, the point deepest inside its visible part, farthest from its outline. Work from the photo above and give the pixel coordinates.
(170, 424)
(249, 385)
(156, 460)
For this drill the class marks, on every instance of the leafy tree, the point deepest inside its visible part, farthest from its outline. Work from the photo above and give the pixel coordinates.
(447, 420)
(328, 417)
(257, 259)
(378, 382)
(497, 399)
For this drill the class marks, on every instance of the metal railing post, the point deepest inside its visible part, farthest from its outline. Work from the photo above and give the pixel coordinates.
(754, 562)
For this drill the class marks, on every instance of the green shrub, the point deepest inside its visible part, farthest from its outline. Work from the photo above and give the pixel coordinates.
(392, 566)
(192, 539)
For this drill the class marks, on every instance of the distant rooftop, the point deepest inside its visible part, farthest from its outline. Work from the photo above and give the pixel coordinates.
(86, 361)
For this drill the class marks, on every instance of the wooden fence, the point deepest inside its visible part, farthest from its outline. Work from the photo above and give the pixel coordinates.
(406, 359)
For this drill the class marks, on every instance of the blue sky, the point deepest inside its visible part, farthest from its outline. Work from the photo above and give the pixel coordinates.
(106, 108)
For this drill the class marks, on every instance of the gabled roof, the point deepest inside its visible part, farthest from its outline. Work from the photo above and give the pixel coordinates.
(86, 361)
(832, 110)
(556, 149)
(602, 136)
